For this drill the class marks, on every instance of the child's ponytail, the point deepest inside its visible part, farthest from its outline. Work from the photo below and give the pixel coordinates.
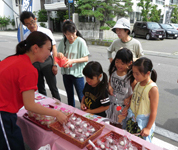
(144, 65)
(153, 75)
(112, 67)
(103, 85)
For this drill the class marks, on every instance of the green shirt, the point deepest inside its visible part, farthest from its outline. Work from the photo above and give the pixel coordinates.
(76, 50)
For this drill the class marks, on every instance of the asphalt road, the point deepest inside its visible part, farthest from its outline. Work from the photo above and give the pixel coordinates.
(158, 51)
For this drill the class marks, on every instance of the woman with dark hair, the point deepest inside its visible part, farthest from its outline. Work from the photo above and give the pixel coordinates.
(74, 48)
(18, 79)
(96, 97)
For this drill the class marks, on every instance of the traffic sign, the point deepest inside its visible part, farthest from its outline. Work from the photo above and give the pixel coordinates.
(70, 1)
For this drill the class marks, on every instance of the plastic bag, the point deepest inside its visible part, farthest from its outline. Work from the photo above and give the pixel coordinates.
(46, 147)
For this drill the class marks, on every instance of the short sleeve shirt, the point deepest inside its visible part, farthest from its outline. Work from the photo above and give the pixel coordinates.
(133, 45)
(17, 74)
(45, 31)
(76, 50)
(121, 86)
(92, 102)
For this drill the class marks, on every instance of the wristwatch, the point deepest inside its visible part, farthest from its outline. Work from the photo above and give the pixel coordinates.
(55, 65)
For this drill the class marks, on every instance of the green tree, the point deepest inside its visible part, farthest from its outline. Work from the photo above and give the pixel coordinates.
(174, 15)
(146, 7)
(62, 15)
(155, 14)
(42, 15)
(104, 10)
(4, 21)
(12, 22)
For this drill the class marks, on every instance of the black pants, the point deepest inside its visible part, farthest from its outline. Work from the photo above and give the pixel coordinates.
(45, 70)
(10, 134)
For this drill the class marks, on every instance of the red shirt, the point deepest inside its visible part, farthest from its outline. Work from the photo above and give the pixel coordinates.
(17, 74)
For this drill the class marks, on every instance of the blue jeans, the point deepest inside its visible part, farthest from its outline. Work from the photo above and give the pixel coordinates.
(69, 82)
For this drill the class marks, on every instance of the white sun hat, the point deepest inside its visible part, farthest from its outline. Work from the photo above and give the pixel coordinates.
(122, 23)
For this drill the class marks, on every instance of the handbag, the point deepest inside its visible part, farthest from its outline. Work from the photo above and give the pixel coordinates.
(133, 128)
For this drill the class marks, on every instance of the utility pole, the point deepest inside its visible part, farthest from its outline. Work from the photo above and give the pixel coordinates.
(21, 25)
(69, 1)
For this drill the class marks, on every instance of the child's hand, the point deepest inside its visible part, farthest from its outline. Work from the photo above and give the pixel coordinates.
(88, 111)
(110, 90)
(83, 107)
(126, 101)
(60, 55)
(68, 63)
(124, 112)
(145, 132)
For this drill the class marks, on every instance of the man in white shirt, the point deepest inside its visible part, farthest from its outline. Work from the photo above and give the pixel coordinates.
(48, 69)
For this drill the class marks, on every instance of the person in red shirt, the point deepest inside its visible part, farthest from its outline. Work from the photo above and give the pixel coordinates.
(18, 79)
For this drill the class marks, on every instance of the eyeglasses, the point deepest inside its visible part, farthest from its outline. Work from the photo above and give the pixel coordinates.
(30, 24)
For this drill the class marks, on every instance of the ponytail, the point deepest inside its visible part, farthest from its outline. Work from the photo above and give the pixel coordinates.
(144, 65)
(102, 86)
(153, 75)
(21, 48)
(112, 67)
(35, 37)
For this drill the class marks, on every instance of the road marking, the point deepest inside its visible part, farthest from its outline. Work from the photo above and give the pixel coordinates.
(62, 92)
(158, 130)
(162, 54)
(163, 144)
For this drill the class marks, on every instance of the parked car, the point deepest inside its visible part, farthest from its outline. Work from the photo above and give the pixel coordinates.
(174, 25)
(148, 30)
(170, 31)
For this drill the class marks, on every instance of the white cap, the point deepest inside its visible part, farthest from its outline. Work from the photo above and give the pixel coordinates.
(122, 23)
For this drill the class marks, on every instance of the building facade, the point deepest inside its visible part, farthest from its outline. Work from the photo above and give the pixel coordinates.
(52, 6)
(164, 5)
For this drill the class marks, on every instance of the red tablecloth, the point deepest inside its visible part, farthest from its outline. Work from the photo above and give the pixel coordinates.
(36, 137)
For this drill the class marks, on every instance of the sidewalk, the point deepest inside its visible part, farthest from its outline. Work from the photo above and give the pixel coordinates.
(160, 135)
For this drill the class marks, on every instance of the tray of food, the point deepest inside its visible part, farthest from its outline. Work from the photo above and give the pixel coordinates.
(113, 140)
(44, 121)
(37, 122)
(78, 130)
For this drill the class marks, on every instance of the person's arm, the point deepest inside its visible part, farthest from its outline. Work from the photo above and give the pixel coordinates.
(54, 53)
(110, 49)
(154, 99)
(97, 110)
(54, 68)
(110, 59)
(29, 104)
(127, 101)
(82, 105)
(133, 84)
(110, 89)
(139, 51)
(71, 61)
